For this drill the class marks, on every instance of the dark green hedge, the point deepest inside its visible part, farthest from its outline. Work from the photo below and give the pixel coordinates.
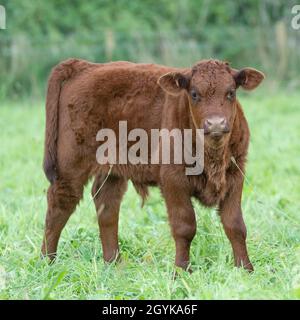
(41, 33)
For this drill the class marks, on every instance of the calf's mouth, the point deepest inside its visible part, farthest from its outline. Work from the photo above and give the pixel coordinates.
(216, 139)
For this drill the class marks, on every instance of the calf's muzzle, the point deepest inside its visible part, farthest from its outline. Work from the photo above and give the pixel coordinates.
(216, 126)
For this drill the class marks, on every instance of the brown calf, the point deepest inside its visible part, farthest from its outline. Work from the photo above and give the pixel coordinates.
(84, 97)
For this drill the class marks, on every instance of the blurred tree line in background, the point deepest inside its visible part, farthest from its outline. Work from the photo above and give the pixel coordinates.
(39, 34)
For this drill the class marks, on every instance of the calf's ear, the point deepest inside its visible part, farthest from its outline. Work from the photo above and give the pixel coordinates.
(248, 78)
(173, 82)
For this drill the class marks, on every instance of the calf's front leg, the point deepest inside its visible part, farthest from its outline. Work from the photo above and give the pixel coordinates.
(234, 226)
(182, 221)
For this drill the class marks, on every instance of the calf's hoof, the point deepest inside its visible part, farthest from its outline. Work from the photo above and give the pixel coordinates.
(49, 257)
(182, 267)
(113, 258)
(246, 265)
(249, 267)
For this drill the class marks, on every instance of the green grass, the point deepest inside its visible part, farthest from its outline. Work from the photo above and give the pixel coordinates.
(271, 211)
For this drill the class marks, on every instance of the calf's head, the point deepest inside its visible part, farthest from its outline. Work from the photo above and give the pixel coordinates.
(210, 87)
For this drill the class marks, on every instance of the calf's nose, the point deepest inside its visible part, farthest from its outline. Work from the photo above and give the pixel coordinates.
(215, 126)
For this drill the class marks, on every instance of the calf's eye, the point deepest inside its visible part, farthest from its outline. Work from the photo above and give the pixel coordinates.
(194, 95)
(231, 95)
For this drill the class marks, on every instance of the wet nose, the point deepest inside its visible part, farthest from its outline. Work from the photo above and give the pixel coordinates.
(215, 126)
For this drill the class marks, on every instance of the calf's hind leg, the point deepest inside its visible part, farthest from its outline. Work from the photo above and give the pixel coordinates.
(107, 202)
(63, 197)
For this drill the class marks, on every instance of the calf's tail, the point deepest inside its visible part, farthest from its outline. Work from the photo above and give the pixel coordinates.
(59, 74)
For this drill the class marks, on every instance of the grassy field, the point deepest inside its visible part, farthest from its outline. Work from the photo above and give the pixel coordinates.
(271, 211)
